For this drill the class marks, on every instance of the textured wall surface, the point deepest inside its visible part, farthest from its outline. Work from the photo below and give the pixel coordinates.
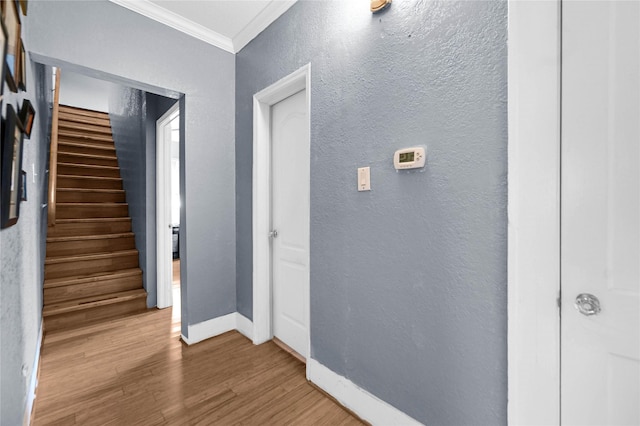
(108, 39)
(127, 111)
(22, 250)
(408, 281)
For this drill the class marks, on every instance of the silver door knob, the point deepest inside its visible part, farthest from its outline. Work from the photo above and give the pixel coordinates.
(587, 304)
(273, 234)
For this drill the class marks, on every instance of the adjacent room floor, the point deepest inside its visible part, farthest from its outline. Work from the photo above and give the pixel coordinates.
(136, 370)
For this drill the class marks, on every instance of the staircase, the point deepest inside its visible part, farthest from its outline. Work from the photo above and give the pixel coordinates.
(91, 266)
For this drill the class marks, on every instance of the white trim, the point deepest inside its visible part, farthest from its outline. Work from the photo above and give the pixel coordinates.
(217, 326)
(33, 383)
(164, 291)
(177, 22)
(210, 328)
(260, 22)
(534, 212)
(244, 325)
(261, 209)
(367, 406)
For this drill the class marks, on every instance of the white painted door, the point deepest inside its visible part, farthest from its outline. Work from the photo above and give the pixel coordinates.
(290, 218)
(600, 249)
(164, 229)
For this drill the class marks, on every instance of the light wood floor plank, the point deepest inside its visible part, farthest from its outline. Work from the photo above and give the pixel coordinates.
(134, 370)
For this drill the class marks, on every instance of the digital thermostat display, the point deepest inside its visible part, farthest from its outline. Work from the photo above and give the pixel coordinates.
(406, 157)
(410, 158)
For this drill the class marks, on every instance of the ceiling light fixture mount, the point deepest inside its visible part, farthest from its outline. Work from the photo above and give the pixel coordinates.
(379, 5)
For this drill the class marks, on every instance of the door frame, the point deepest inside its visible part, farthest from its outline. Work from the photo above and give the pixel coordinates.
(534, 125)
(261, 197)
(164, 276)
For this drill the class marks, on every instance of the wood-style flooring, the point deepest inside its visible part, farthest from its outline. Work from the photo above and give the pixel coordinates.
(135, 371)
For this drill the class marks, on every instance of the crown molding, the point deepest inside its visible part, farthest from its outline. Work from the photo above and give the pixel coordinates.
(175, 21)
(261, 21)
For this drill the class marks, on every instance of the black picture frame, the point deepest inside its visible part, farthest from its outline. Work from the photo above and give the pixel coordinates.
(12, 144)
(27, 116)
(22, 68)
(23, 186)
(3, 47)
(11, 18)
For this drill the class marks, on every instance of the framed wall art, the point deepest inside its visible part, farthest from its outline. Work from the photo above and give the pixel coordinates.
(12, 58)
(12, 142)
(3, 52)
(27, 116)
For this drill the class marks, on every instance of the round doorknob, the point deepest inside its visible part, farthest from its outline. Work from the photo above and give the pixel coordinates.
(587, 304)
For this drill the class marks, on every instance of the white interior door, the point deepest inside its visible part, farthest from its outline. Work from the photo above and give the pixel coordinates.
(290, 219)
(164, 229)
(600, 253)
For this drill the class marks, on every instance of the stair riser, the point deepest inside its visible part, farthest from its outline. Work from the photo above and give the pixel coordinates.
(64, 157)
(86, 149)
(80, 136)
(75, 118)
(86, 212)
(74, 248)
(88, 316)
(94, 266)
(78, 182)
(98, 288)
(90, 129)
(89, 197)
(83, 112)
(98, 228)
(64, 169)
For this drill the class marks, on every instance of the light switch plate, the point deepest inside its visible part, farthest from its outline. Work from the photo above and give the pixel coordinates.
(364, 179)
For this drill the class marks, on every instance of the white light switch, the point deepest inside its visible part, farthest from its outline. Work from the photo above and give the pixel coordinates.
(364, 179)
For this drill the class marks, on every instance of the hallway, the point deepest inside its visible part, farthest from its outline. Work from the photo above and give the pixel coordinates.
(135, 370)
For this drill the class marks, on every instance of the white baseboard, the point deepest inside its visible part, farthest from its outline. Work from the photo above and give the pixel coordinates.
(244, 325)
(216, 326)
(356, 399)
(33, 383)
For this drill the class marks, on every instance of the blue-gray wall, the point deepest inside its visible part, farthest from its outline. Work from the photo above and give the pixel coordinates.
(22, 251)
(408, 281)
(137, 52)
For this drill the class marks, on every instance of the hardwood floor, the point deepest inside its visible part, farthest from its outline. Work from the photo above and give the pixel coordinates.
(135, 371)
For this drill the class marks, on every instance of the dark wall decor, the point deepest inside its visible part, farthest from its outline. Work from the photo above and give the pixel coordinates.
(27, 116)
(11, 19)
(11, 160)
(3, 55)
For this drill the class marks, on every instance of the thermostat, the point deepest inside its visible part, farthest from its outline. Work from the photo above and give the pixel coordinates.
(410, 158)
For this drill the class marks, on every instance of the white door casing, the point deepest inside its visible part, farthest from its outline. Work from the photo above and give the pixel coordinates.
(290, 219)
(164, 257)
(261, 206)
(600, 250)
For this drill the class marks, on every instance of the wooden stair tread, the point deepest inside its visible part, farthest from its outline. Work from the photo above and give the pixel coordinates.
(78, 118)
(92, 256)
(62, 143)
(99, 129)
(83, 111)
(83, 279)
(92, 302)
(90, 237)
(88, 166)
(90, 177)
(93, 219)
(88, 156)
(84, 136)
(80, 204)
(93, 190)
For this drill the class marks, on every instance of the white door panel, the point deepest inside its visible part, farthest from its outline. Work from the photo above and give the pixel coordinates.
(600, 247)
(290, 217)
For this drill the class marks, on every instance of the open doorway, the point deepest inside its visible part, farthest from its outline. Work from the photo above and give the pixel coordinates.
(168, 210)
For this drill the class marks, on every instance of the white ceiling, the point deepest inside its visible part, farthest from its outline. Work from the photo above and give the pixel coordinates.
(227, 24)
